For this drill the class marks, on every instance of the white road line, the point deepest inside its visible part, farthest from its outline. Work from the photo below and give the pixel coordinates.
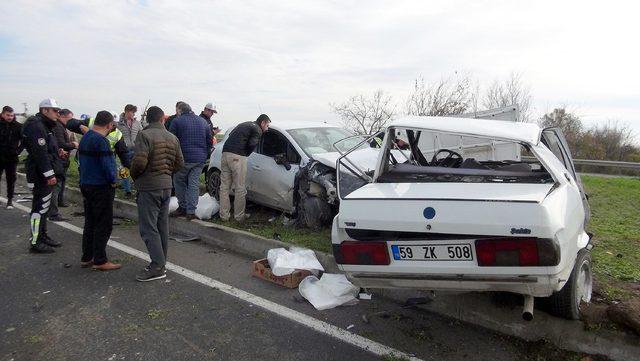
(282, 311)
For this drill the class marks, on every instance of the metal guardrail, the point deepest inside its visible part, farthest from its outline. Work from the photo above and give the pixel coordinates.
(607, 163)
(598, 163)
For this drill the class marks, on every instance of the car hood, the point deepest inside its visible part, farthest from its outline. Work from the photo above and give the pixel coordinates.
(365, 158)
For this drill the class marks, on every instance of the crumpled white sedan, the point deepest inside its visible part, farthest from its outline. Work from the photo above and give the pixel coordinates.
(467, 205)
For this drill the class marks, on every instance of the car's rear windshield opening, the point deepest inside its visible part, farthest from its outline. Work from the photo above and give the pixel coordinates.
(417, 156)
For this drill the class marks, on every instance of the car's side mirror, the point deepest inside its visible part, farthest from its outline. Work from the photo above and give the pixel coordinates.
(281, 159)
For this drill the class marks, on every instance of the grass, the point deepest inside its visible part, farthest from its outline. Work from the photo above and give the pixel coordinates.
(615, 223)
(260, 225)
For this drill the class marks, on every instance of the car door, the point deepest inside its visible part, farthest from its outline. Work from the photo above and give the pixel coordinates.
(272, 184)
(554, 139)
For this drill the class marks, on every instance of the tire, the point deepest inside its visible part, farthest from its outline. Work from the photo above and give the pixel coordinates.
(566, 302)
(213, 183)
(314, 212)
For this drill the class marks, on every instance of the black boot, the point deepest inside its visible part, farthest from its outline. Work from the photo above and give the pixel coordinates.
(41, 247)
(50, 242)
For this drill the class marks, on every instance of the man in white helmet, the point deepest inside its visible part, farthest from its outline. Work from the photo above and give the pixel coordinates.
(43, 163)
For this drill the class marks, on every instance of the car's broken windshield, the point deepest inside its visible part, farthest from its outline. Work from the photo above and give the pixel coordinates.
(442, 157)
(320, 140)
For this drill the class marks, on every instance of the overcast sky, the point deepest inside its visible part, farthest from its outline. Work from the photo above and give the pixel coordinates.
(290, 59)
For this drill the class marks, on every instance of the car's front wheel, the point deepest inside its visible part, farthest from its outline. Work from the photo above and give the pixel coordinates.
(213, 183)
(566, 303)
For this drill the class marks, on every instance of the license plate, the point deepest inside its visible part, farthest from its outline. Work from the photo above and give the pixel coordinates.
(432, 252)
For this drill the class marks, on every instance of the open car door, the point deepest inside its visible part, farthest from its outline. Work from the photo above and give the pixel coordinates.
(554, 139)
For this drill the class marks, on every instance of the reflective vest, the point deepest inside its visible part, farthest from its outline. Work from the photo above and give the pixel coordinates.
(112, 137)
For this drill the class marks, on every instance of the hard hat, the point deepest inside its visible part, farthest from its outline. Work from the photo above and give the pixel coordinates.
(49, 103)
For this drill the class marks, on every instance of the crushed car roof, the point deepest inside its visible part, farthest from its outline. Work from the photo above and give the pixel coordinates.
(300, 124)
(495, 129)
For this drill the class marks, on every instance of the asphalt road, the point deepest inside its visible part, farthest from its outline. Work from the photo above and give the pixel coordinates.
(51, 309)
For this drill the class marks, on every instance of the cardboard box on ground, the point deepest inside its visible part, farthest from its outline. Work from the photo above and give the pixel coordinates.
(262, 270)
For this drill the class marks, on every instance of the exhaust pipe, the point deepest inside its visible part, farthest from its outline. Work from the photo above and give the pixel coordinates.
(527, 310)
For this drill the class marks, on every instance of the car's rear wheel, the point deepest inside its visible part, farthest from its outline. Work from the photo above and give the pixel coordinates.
(213, 183)
(567, 302)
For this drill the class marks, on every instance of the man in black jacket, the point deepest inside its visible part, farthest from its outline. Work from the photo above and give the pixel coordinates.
(10, 148)
(65, 146)
(240, 143)
(42, 165)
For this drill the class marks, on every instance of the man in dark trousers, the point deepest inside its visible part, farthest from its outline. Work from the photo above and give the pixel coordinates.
(98, 185)
(10, 148)
(240, 143)
(195, 137)
(157, 156)
(65, 146)
(42, 165)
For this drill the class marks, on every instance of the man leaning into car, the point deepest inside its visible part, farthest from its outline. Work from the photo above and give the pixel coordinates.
(241, 142)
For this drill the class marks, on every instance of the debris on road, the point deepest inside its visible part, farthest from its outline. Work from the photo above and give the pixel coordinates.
(330, 291)
(283, 262)
(364, 296)
(207, 207)
(262, 270)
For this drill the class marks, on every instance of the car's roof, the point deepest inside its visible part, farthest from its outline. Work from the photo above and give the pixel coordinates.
(495, 129)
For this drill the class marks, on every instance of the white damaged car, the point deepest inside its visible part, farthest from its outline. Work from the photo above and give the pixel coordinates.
(467, 205)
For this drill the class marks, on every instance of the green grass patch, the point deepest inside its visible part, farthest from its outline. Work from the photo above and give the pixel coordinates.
(615, 223)
(259, 224)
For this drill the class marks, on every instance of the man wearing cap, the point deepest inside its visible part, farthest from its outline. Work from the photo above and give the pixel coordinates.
(42, 165)
(10, 148)
(207, 113)
(240, 143)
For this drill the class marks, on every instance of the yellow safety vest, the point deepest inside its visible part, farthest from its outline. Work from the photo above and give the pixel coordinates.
(112, 137)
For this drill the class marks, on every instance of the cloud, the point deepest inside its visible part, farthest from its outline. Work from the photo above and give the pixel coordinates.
(291, 58)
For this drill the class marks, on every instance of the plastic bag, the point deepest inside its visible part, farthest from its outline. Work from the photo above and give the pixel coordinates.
(207, 207)
(173, 204)
(330, 291)
(283, 262)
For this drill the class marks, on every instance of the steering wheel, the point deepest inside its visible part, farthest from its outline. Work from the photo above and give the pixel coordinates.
(452, 160)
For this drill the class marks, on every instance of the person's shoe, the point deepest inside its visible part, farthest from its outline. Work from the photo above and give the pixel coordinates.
(41, 247)
(58, 218)
(151, 274)
(51, 242)
(108, 266)
(9, 204)
(128, 195)
(180, 212)
(191, 217)
(86, 264)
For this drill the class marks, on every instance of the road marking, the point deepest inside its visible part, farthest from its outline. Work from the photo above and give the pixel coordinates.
(280, 310)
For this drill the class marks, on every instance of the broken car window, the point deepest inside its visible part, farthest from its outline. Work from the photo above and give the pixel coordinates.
(321, 140)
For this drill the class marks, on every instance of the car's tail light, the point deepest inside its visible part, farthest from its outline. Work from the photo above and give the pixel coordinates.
(365, 253)
(523, 252)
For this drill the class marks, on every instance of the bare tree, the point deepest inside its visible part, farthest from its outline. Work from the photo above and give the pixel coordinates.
(365, 115)
(446, 97)
(511, 91)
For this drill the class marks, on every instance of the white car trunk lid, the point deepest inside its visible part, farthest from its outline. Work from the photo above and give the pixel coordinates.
(448, 208)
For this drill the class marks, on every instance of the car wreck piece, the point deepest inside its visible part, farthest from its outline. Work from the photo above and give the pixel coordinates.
(293, 169)
(467, 205)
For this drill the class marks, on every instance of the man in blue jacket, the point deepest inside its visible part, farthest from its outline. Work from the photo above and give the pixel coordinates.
(195, 136)
(98, 184)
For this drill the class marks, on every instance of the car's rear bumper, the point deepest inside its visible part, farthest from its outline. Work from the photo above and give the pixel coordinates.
(538, 286)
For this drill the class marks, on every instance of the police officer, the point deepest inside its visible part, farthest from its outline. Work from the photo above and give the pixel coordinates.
(43, 162)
